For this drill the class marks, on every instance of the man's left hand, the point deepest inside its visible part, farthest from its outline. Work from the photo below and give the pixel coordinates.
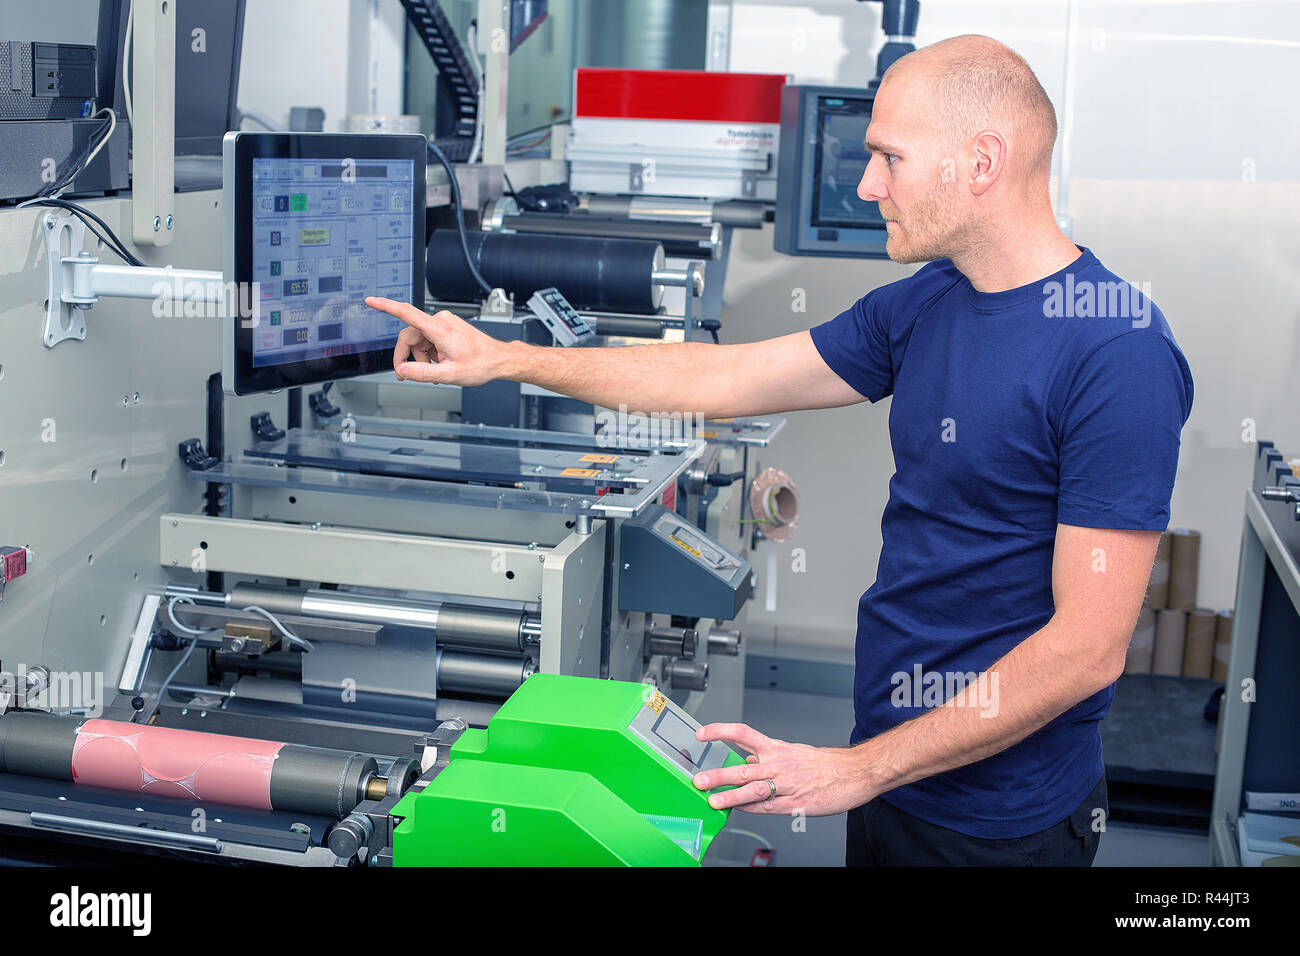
(816, 781)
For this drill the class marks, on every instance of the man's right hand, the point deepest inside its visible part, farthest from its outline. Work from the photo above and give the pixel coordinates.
(441, 348)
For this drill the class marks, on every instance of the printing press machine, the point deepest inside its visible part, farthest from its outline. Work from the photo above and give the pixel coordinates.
(270, 643)
(262, 602)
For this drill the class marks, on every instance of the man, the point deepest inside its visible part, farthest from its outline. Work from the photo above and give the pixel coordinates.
(1037, 406)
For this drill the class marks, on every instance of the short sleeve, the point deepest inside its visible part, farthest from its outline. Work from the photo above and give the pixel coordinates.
(855, 344)
(1119, 434)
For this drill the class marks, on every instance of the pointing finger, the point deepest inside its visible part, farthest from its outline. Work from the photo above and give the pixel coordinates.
(423, 371)
(741, 734)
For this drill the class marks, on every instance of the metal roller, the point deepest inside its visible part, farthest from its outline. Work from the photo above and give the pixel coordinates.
(185, 764)
(732, 212)
(606, 323)
(460, 673)
(686, 675)
(462, 625)
(327, 782)
(724, 640)
(456, 672)
(692, 240)
(487, 628)
(633, 327)
(673, 641)
(611, 275)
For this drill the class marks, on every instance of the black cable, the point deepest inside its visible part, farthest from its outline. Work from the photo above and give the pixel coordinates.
(509, 185)
(78, 166)
(85, 215)
(538, 129)
(89, 225)
(460, 218)
(100, 236)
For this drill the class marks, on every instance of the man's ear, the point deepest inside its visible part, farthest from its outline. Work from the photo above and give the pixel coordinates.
(990, 148)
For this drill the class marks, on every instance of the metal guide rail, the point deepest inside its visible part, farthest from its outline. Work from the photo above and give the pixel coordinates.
(755, 432)
(481, 466)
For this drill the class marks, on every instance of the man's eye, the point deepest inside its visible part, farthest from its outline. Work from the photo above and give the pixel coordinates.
(889, 158)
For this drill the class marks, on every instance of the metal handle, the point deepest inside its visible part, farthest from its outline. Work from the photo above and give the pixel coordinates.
(52, 821)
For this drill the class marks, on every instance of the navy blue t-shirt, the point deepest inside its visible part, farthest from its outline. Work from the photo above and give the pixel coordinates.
(1060, 401)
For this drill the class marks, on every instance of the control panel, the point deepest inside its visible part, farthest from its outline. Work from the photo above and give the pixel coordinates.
(670, 566)
(564, 322)
(670, 732)
(695, 542)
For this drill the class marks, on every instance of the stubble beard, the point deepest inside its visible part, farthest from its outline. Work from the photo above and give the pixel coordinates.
(930, 234)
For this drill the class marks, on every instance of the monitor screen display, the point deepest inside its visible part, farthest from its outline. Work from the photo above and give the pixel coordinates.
(326, 233)
(840, 162)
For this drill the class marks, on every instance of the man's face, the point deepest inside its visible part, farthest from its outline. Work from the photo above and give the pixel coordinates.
(911, 174)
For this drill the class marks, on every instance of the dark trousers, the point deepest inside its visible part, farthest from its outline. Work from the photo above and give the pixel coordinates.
(880, 834)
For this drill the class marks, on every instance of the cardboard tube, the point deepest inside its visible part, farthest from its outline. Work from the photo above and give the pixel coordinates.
(1222, 645)
(1141, 647)
(1184, 565)
(1198, 649)
(1171, 633)
(1158, 587)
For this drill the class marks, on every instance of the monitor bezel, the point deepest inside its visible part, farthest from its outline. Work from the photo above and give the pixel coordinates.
(239, 150)
(794, 232)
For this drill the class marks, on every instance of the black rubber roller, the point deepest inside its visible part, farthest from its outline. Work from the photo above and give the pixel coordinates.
(594, 274)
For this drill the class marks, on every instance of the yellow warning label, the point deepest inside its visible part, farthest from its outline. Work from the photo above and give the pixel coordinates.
(656, 703)
(707, 434)
(579, 473)
(600, 459)
(684, 545)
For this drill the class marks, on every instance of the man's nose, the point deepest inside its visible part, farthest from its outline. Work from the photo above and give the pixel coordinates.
(872, 188)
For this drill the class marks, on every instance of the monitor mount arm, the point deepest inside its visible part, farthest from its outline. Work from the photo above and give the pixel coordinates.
(78, 279)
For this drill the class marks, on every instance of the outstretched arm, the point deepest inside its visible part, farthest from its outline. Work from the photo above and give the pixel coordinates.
(718, 381)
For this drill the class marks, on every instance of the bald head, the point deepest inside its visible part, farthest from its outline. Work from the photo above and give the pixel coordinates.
(975, 83)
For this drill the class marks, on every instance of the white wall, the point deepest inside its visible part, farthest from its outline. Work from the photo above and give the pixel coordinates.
(344, 56)
(1184, 172)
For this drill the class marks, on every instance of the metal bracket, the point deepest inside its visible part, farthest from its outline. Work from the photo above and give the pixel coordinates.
(321, 406)
(63, 306)
(1276, 493)
(749, 183)
(434, 751)
(196, 459)
(635, 180)
(498, 304)
(141, 647)
(153, 132)
(263, 428)
(78, 280)
(694, 283)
